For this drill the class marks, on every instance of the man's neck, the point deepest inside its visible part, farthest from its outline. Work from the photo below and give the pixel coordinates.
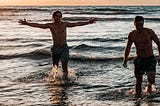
(139, 30)
(58, 21)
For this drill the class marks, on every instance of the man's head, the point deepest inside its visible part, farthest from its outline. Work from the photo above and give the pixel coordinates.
(57, 15)
(139, 22)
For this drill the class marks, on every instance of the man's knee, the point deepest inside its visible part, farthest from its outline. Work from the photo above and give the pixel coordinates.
(151, 77)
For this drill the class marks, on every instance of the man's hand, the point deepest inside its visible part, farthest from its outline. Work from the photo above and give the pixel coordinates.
(92, 20)
(23, 22)
(125, 63)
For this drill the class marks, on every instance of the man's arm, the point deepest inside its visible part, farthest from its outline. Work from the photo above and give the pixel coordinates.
(156, 40)
(127, 50)
(24, 22)
(92, 20)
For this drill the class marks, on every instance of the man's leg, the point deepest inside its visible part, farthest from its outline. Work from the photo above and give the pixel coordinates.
(65, 69)
(55, 60)
(151, 80)
(55, 63)
(139, 79)
(64, 61)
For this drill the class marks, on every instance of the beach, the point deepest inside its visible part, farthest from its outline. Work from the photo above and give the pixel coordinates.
(96, 53)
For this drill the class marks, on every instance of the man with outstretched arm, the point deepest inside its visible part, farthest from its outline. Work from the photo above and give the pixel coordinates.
(60, 50)
(145, 61)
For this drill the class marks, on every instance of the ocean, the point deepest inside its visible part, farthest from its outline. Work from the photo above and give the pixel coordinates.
(96, 53)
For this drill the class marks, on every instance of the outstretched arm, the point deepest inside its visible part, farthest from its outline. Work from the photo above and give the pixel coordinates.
(24, 22)
(92, 20)
(127, 51)
(156, 40)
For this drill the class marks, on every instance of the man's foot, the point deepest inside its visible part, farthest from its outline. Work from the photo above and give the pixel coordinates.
(150, 89)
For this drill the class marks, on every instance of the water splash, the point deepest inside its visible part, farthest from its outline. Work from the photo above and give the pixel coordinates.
(56, 75)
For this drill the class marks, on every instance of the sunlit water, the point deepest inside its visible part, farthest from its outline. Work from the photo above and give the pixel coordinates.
(96, 53)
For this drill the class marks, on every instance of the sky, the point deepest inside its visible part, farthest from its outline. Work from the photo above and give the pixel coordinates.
(77, 2)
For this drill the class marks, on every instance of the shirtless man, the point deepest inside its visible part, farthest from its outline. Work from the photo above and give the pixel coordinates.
(145, 61)
(60, 50)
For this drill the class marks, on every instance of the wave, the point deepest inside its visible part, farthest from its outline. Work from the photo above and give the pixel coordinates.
(23, 40)
(14, 46)
(85, 47)
(108, 39)
(110, 9)
(45, 54)
(152, 19)
(106, 19)
(37, 54)
(101, 13)
(99, 40)
(10, 39)
(132, 9)
(96, 58)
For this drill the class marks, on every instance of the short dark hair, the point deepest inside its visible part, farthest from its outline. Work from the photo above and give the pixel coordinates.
(55, 12)
(138, 18)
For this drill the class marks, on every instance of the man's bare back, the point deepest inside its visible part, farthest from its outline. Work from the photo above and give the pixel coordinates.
(143, 42)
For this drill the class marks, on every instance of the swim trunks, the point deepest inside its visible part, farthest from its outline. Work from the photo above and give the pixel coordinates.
(60, 53)
(142, 65)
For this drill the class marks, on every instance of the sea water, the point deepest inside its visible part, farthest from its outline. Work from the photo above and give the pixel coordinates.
(96, 53)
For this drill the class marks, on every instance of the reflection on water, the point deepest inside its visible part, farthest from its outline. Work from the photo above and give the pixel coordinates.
(59, 86)
(59, 95)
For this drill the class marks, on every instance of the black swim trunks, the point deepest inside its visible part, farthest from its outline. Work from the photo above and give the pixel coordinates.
(60, 53)
(142, 65)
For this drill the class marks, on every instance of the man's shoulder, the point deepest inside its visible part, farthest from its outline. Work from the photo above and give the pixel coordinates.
(49, 23)
(65, 22)
(148, 30)
(131, 35)
(145, 28)
(132, 32)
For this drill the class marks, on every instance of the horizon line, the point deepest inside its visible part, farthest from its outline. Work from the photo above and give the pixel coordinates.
(72, 5)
